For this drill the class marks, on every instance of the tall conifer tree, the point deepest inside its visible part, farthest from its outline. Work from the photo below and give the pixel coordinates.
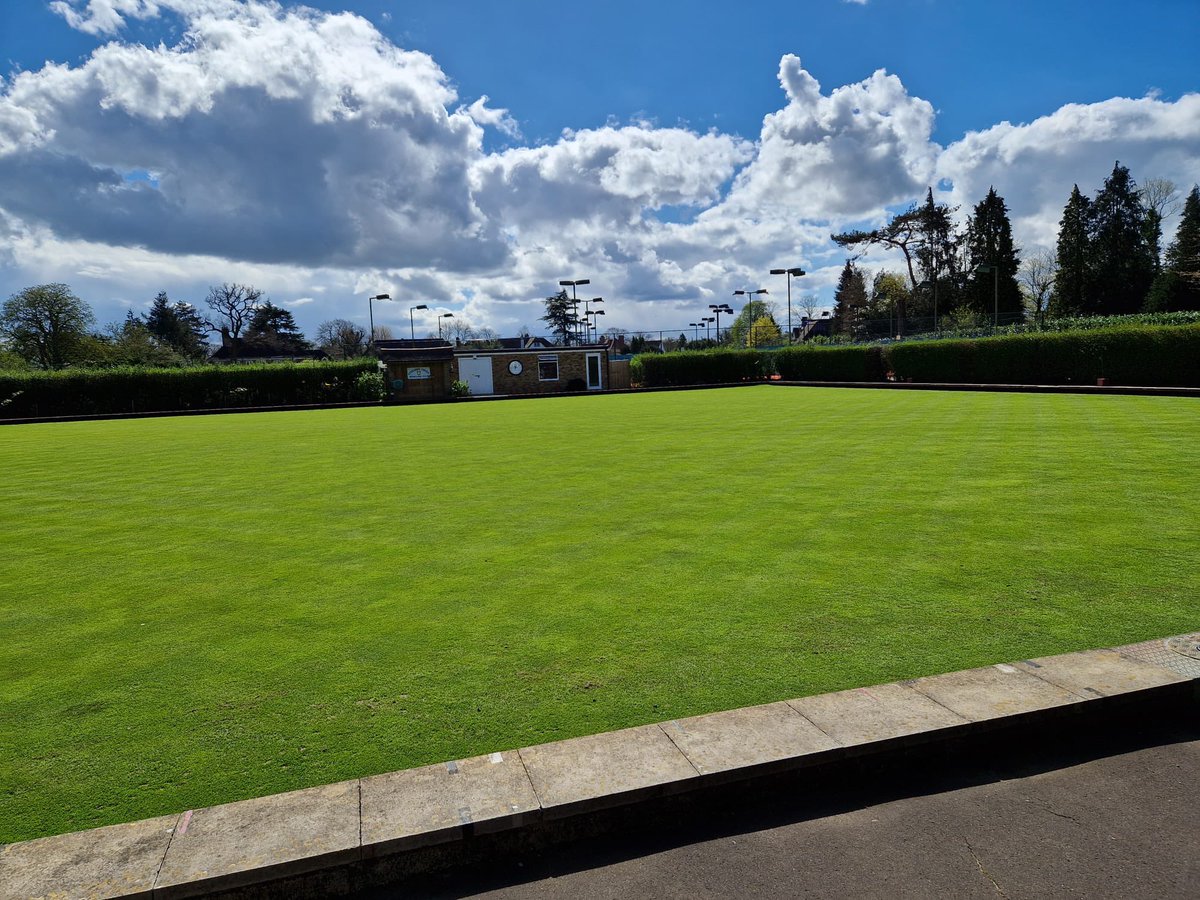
(850, 300)
(990, 243)
(1177, 286)
(1122, 260)
(1072, 286)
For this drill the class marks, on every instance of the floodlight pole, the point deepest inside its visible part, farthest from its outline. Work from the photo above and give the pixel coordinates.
(579, 282)
(749, 295)
(412, 329)
(371, 312)
(797, 271)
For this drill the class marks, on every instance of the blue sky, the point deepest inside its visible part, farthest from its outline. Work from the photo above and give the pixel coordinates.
(731, 157)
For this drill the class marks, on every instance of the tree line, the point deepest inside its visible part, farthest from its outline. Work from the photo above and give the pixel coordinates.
(1108, 260)
(48, 326)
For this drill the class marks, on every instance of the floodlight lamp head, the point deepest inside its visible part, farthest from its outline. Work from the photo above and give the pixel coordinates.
(779, 271)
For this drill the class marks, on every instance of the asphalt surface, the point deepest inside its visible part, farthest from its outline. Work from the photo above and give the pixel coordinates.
(1114, 815)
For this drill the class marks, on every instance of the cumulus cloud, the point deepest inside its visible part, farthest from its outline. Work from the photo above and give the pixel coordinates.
(1034, 165)
(844, 154)
(276, 135)
(303, 152)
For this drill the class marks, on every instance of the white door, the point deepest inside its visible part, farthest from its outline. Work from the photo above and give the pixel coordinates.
(593, 372)
(477, 372)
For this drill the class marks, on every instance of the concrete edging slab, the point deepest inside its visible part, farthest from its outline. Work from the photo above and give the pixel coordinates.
(327, 838)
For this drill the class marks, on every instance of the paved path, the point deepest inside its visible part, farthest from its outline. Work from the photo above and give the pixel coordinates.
(1119, 819)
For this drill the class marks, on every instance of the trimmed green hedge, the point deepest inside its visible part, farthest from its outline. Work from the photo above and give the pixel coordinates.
(813, 363)
(1150, 356)
(1141, 355)
(134, 389)
(699, 367)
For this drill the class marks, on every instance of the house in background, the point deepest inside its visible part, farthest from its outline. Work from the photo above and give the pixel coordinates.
(420, 370)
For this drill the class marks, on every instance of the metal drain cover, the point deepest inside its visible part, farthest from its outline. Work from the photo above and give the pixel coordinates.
(1186, 645)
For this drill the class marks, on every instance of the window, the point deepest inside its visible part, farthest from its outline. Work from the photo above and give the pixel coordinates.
(547, 368)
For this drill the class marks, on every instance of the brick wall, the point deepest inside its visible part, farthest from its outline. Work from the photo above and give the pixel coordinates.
(572, 364)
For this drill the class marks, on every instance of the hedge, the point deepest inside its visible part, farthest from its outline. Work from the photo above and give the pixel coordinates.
(814, 363)
(1141, 355)
(1150, 356)
(136, 389)
(699, 367)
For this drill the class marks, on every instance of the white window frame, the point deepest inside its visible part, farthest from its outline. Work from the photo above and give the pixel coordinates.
(549, 358)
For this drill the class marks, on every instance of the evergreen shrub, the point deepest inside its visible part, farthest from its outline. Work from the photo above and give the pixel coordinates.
(861, 362)
(133, 389)
(1138, 355)
(689, 367)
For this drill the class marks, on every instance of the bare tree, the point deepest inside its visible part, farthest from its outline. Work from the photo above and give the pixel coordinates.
(811, 305)
(383, 333)
(1036, 278)
(1160, 198)
(342, 338)
(459, 329)
(232, 307)
(1160, 195)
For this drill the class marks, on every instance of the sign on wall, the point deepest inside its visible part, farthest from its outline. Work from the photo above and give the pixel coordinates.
(418, 373)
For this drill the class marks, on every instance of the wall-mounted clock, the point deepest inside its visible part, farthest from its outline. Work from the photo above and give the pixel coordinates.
(515, 367)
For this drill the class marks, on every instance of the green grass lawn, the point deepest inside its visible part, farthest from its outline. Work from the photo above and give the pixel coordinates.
(197, 610)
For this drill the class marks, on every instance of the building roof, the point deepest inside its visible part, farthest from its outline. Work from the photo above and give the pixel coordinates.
(420, 350)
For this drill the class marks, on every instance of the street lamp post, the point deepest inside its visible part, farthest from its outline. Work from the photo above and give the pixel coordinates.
(749, 295)
(574, 299)
(371, 312)
(443, 316)
(586, 311)
(797, 272)
(995, 270)
(716, 316)
(412, 329)
(596, 324)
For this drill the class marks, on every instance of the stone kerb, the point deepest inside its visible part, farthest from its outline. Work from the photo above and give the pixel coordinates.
(328, 834)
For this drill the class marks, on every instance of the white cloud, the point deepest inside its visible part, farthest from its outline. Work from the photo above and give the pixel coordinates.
(303, 152)
(1034, 165)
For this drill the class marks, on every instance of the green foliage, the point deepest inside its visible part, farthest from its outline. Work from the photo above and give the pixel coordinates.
(46, 325)
(690, 367)
(850, 301)
(1132, 355)
(136, 389)
(370, 385)
(863, 362)
(1122, 261)
(990, 243)
(460, 389)
(560, 316)
(179, 326)
(764, 333)
(1071, 284)
(273, 332)
(738, 333)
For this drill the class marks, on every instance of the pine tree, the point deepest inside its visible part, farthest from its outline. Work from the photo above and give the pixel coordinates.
(850, 300)
(178, 326)
(1072, 287)
(990, 243)
(1183, 255)
(1122, 260)
(938, 255)
(1177, 286)
(559, 316)
(273, 330)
